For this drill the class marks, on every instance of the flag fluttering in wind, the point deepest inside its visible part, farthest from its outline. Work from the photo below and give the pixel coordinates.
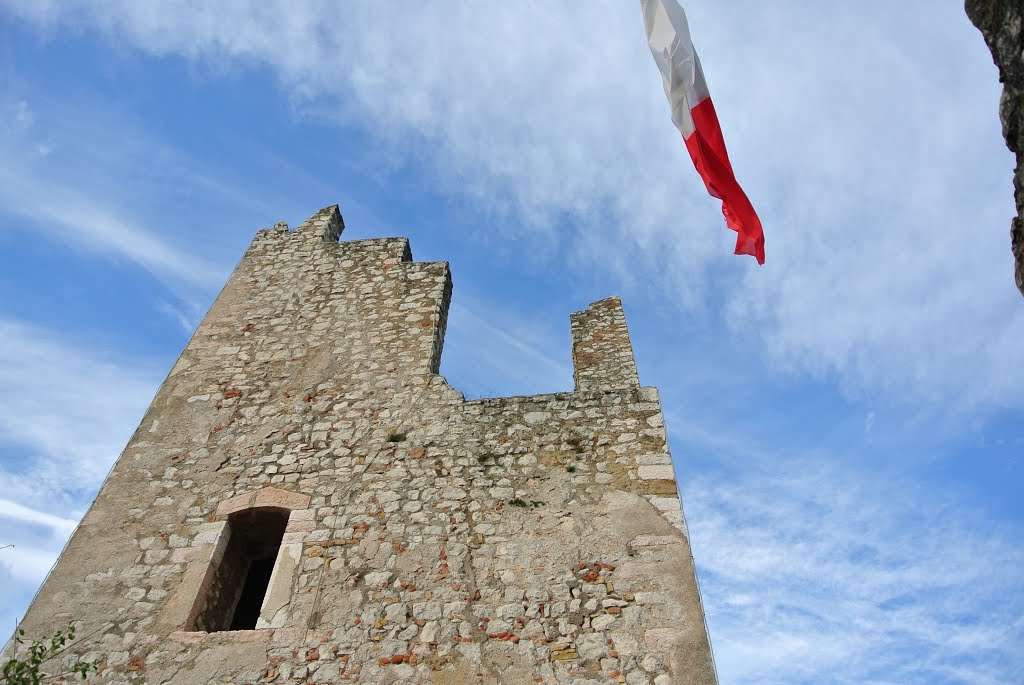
(694, 116)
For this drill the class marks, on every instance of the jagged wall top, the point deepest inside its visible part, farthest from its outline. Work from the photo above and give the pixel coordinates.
(327, 224)
(601, 350)
(306, 278)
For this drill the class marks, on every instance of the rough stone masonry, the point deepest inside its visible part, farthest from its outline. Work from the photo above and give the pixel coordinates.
(1001, 22)
(409, 535)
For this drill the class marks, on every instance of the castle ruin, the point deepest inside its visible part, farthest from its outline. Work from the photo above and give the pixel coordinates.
(307, 501)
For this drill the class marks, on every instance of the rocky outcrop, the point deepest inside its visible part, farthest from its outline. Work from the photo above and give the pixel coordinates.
(1001, 23)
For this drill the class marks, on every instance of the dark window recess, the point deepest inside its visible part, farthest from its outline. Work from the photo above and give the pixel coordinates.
(253, 592)
(241, 579)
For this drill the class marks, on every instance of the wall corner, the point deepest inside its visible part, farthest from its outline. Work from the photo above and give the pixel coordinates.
(326, 225)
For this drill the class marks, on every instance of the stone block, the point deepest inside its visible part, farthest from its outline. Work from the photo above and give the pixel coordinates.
(656, 472)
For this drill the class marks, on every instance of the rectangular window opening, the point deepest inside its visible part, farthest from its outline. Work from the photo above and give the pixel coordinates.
(241, 579)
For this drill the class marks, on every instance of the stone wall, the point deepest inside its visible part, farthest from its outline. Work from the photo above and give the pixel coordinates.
(430, 539)
(1001, 23)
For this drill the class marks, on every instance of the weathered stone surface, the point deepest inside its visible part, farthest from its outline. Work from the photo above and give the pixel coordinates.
(1000, 22)
(429, 539)
(601, 354)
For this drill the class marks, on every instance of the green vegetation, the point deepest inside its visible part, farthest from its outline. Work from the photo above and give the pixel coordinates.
(25, 669)
(396, 436)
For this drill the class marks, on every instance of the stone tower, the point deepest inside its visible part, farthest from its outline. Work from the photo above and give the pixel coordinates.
(307, 500)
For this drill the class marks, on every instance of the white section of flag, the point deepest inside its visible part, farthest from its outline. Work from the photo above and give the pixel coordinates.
(668, 34)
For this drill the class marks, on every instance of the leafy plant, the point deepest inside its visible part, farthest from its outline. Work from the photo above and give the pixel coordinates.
(570, 469)
(25, 669)
(396, 436)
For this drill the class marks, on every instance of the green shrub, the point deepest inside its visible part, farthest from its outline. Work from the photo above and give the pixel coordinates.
(25, 669)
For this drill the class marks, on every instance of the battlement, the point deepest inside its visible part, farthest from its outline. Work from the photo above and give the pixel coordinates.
(602, 354)
(359, 303)
(327, 224)
(601, 350)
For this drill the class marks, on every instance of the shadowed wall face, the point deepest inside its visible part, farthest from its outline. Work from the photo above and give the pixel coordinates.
(1000, 22)
(306, 500)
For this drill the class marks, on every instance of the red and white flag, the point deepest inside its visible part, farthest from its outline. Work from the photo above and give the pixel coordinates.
(694, 116)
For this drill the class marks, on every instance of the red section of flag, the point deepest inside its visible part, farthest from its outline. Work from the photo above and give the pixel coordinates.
(707, 149)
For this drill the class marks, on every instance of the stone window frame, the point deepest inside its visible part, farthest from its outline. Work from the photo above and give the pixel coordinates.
(207, 550)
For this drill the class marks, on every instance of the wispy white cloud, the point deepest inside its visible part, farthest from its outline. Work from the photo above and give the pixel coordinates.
(515, 356)
(32, 541)
(886, 213)
(15, 512)
(81, 221)
(186, 317)
(28, 565)
(79, 210)
(811, 570)
(66, 411)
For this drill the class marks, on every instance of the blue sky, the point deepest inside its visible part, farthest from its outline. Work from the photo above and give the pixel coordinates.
(846, 420)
